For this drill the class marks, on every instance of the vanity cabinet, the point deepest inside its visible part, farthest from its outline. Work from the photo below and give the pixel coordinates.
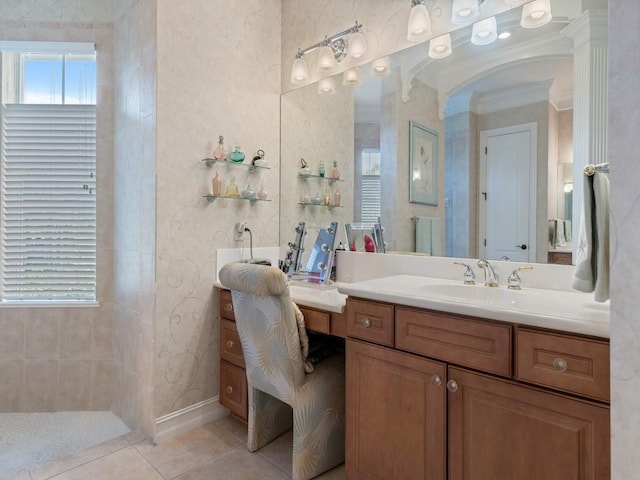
(463, 398)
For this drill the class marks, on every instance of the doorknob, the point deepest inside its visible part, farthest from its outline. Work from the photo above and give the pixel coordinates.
(523, 246)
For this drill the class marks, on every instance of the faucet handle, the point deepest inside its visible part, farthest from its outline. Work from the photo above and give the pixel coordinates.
(469, 276)
(513, 282)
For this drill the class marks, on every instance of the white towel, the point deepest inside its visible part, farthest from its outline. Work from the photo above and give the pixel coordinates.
(560, 240)
(592, 254)
(423, 235)
(436, 240)
(567, 230)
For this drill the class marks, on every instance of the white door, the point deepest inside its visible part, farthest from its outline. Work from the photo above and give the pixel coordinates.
(507, 193)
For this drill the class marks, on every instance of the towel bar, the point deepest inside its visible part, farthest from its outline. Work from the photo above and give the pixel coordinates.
(589, 170)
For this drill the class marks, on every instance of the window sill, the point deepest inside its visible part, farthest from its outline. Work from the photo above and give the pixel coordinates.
(49, 304)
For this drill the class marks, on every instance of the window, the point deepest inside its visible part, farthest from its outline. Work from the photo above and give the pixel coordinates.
(370, 191)
(47, 175)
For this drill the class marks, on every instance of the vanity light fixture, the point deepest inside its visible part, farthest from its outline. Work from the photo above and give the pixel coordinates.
(332, 50)
(380, 67)
(536, 14)
(464, 12)
(326, 86)
(299, 71)
(440, 47)
(351, 78)
(419, 25)
(484, 32)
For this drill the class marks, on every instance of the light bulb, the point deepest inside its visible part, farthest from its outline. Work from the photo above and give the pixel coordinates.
(419, 26)
(299, 71)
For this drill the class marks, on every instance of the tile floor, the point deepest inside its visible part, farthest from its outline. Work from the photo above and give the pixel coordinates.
(215, 451)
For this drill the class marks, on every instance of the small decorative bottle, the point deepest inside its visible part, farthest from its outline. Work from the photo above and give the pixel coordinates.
(336, 198)
(326, 199)
(321, 170)
(220, 153)
(335, 173)
(262, 194)
(236, 156)
(232, 189)
(217, 185)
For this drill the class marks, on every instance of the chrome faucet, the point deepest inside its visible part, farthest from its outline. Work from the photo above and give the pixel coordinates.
(513, 283)
(490, 275)
(469, 276)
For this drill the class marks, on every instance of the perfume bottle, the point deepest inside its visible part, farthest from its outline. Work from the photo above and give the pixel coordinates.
(321, 171)
(220, 153)
(217, 185)
(335, 173)
(336, 198)
(236, 156)
(232, 189)
(326, 199)
(262, 194)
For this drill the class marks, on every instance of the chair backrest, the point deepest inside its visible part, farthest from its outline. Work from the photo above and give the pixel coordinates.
(267, 328)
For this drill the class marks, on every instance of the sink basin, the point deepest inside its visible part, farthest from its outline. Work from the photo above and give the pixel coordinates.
(471, 293)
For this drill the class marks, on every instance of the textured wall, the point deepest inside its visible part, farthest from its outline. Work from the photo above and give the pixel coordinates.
(624, 118)
(218, 74)
(134, 210)
(54, 359)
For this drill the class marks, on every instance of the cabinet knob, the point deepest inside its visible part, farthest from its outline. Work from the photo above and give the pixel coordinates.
(366, 322)
(230, 344)
(228, 307)
(560, 364)
(452, 386)
(436, 380)
(229, 389)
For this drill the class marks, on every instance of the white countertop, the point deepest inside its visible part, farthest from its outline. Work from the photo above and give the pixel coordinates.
(574, 312)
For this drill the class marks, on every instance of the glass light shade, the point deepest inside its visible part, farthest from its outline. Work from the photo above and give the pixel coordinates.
(440, 47)
(464, 12)
(380, 67)
(357, 46)
(536, 14)
(515, 3)
(484, 32)
(326, 86)
(299, 71)
(419, 26)
(326, 62)
(352, 78)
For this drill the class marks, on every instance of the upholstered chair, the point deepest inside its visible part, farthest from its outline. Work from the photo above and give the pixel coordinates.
(281, 394)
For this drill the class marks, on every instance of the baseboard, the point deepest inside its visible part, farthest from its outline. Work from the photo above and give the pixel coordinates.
(187, 418)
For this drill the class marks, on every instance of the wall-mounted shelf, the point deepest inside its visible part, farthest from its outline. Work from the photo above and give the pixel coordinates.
(309, 204)
(212, 198)
(304, 176)
(252, 168)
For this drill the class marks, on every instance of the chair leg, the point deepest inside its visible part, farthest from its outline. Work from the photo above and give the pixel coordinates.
(268, 419)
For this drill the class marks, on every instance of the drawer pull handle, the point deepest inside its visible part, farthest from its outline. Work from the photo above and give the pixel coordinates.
(230, 344)
(560, 365)
(229, 389)
(436, 380)
(366, 322)
(228, 307)
(452, 386)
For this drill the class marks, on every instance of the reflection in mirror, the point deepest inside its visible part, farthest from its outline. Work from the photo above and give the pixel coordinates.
(478, 90)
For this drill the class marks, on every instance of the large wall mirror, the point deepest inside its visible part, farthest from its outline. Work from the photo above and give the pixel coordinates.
(502, 122)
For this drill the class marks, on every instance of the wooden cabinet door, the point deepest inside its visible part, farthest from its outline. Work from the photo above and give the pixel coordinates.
(396, 413)
(499, 430)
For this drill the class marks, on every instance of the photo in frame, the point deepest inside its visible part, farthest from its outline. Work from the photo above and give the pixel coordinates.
(423, 165)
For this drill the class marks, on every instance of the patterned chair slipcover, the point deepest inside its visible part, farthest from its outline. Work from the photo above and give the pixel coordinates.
(275, 374)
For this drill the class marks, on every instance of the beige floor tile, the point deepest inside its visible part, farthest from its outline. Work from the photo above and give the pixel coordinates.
(188, 451)
(280, 451)
(233, 426)
(81, 458)
(125, 464)
(238, 464)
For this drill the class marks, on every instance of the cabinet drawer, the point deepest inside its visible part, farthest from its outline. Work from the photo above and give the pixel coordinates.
(370, 321)
(479, 344)
(226, 305)
(566, 362)
(316, 321)
(230, 346)
(233, 389)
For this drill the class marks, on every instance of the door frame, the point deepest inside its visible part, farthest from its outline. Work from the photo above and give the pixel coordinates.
(532, 128)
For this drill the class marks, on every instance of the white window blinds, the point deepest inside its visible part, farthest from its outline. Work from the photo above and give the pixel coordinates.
(48, 202)
(370, 199)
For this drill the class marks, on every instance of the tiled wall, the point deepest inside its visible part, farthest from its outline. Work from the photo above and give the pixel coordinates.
(135, 212)
(54, 359)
